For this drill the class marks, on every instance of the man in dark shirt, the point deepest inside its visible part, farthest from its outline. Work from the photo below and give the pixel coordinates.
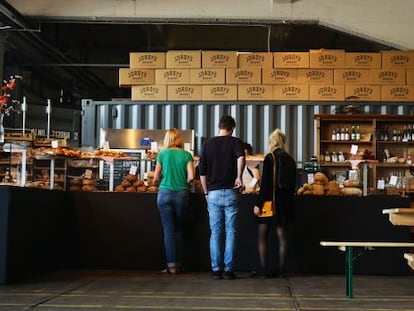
(221, 167)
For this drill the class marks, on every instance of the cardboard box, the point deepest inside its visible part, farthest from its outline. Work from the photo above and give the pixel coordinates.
(255, 91)
(362, 60)
(147, 60)
(243, 75)
(397, 93)
(327, 92)
(315, 76)
(255, 59)
(397, 59)
(135, 76)
(362, 92)
(208, 76)
(351, 76)
(184, 92)
(410, 76)
(279, 76)
(291, 59)
(291, 92)
(326, 58)
(219, 92)
(387, 76)
(183, 59)
(172, 76)
(149, 92)
(219, 59)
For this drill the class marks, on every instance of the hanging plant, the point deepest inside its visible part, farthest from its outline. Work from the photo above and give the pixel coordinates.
(6, 102)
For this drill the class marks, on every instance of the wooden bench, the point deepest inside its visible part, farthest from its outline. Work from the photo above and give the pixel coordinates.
(348, 247)
(410, 259)
(400, 216)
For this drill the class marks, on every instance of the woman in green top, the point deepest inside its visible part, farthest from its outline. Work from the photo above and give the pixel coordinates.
(174, 170)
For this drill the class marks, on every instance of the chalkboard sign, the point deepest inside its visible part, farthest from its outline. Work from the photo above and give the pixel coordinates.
(122, 167)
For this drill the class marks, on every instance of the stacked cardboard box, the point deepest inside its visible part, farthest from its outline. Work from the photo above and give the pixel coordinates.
(316, 75)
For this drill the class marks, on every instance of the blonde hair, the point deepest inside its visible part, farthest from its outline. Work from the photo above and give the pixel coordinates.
(277, 139)
(173, 139)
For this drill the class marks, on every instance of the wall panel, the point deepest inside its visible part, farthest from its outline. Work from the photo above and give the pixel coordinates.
(255, 120)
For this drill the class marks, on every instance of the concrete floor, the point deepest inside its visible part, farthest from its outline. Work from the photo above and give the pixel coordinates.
(149, 290)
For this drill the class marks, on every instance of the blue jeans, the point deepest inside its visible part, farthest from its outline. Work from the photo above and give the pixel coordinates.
(172, 206)
(223, 210)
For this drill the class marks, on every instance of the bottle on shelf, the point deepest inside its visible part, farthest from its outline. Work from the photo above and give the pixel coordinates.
(357, 133)
(333, 137)
(347, 135)
(343, 134)
(353, 133)
(338, 134)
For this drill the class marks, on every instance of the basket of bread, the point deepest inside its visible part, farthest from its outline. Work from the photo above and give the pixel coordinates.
(321, 186)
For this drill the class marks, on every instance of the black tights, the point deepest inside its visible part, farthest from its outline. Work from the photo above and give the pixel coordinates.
(262, 241)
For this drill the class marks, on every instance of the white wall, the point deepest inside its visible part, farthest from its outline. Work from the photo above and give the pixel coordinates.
(389, 22)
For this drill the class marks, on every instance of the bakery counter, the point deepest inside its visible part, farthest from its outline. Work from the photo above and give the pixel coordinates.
(110, 230)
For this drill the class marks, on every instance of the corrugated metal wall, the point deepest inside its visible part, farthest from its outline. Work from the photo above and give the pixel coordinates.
(255, 120)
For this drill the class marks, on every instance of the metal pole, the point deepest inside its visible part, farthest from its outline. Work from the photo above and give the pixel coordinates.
(48, 111)
(24, 109)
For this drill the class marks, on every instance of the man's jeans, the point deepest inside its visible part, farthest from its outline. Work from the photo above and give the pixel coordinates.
(172, 206)
(223, 210)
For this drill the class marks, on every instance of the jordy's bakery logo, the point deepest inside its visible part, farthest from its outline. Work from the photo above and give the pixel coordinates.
(184, 91)
(219, 59)
(387, 75)
(183, 59)
(137, 74)
(327, 91)
(291, 59)
(279, 75)
(291, 90)
(243, 75)
(147, 59)
(207, 75)
(399, 91)
(351, 75)
(172, 75)
(255, 90)
(363, 59)
(315, 74)
(149, 90)
(255, 59)
(327, 59)
(400, 59)
(219, 90)
(363, 91)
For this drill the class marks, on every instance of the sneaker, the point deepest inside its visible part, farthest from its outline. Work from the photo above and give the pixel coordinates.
(229, 275)
(261, 274)
(216, 275)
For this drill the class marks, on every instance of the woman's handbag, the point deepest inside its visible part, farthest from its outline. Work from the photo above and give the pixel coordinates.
(268, 208)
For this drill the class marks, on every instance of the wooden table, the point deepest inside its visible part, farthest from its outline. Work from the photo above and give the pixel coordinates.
(349, 255)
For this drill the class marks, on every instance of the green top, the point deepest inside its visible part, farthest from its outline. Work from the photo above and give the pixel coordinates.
(174, 169)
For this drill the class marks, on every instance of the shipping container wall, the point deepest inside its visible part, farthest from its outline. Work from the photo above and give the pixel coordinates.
(254, 120)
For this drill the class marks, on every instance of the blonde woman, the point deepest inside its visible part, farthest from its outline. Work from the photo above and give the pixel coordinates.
(282, 189)
(174, 171)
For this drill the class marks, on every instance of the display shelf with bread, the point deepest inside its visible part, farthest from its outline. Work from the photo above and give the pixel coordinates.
(384, 142)
(49, 172)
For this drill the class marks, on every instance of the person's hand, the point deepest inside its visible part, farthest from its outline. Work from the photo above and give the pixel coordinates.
(238, 184)
(257, 211)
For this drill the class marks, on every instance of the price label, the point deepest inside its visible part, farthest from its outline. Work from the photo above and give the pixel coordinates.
(354, 149)
(393, 180)
(88, 174)
(105, 145)
(55, 143)
(133, 170)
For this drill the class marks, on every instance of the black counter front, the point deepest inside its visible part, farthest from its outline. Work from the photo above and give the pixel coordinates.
(109, 230)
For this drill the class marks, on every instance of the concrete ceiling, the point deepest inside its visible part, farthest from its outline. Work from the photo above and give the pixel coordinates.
(70, 60)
